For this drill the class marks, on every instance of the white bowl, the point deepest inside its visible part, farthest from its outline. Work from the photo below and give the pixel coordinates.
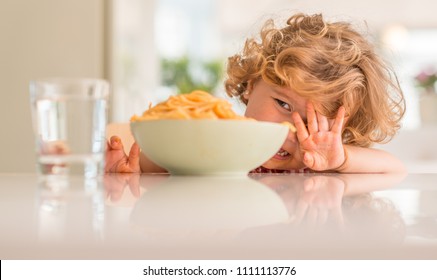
(209, 147)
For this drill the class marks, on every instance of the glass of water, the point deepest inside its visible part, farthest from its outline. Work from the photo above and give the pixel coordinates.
(69, 120)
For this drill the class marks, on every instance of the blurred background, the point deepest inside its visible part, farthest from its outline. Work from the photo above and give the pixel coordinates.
(150, 49)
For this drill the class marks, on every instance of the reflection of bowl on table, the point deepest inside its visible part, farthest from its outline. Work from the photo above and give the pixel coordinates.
(189, 205)
(209, 147)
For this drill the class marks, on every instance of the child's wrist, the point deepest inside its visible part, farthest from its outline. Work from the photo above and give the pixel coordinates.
(343, 166)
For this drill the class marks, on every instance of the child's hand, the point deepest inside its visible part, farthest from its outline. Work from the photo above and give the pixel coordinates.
(321, 143)
(118, 161)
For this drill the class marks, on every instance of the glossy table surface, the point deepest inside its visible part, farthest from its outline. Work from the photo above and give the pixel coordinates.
(263, 216)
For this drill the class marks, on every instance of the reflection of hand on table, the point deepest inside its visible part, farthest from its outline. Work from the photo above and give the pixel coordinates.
(310, 199)
(319, 200)
(115, 185)
(129, 186)
(334, 207)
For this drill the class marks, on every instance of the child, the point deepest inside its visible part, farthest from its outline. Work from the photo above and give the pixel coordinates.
(326, 79)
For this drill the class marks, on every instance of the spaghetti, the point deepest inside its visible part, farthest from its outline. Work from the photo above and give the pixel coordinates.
(195, 105)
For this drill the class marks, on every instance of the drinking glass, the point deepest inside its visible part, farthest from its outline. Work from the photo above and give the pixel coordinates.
(69, 120)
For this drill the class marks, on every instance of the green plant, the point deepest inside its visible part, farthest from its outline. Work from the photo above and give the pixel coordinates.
(186, 75)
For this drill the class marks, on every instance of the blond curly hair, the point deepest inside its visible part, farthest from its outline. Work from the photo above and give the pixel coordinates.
(329, 63)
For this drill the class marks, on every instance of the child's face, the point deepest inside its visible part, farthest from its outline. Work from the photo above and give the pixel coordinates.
(276, 104)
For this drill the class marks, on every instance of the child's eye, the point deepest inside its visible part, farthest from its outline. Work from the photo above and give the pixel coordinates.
(283, 104)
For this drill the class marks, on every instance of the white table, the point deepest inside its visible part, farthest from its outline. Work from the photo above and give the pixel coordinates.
(294, 216)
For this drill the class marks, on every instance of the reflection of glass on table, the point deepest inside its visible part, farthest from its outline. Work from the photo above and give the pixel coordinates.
(70, 209)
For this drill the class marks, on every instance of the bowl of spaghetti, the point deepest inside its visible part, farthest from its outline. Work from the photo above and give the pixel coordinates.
(199, 134)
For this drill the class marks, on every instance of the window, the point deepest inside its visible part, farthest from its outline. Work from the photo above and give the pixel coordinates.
(411, 51)
(147, 33)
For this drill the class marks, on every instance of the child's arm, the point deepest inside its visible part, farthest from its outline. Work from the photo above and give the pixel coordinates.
(368, 160)
(148, 166)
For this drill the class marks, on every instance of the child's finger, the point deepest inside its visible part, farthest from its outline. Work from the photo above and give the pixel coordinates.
(313, 126)
(323, 122)
(115, 143)
(302, 132)
(308, 160)
(339, 119)
(134, 157)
